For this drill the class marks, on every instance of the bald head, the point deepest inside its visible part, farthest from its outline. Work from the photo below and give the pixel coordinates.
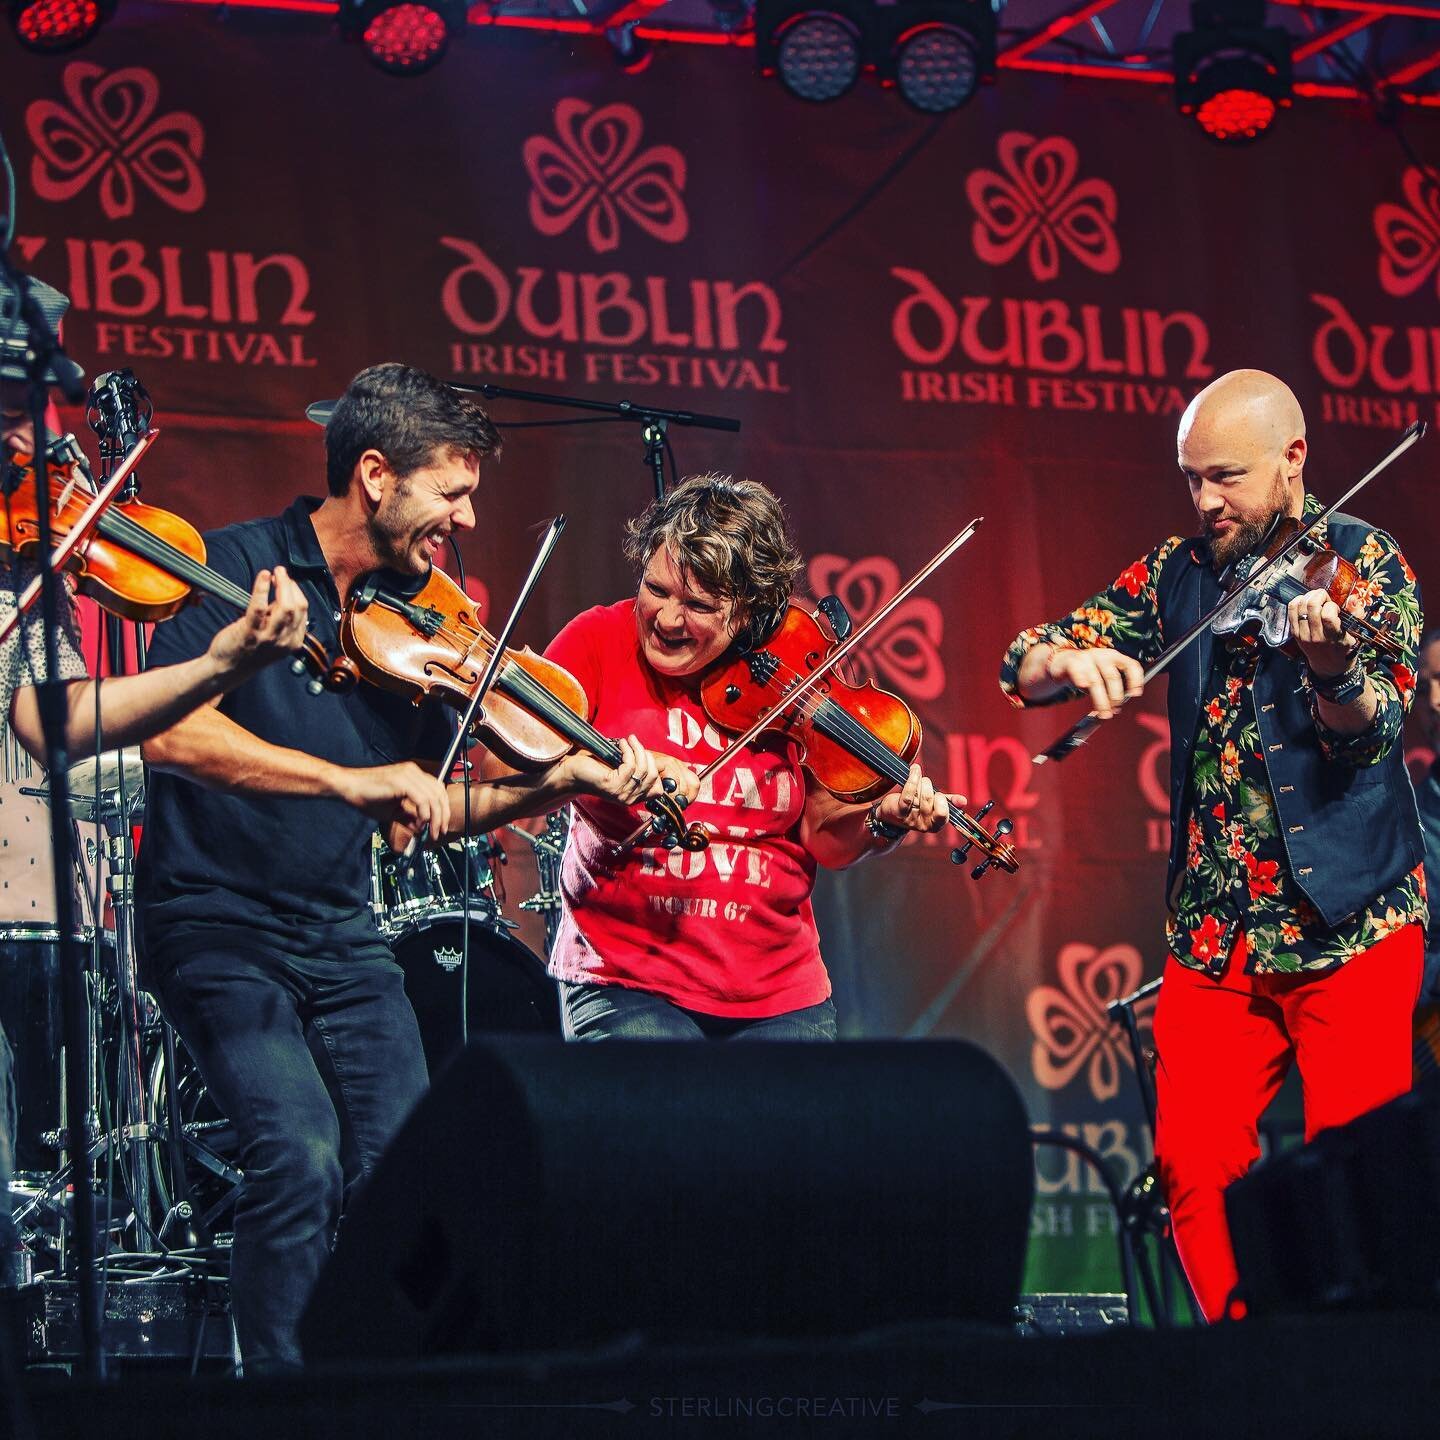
(1241, 445)
(1247, 408)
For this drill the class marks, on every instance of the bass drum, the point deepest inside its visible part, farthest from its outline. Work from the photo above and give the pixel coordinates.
(507, 990)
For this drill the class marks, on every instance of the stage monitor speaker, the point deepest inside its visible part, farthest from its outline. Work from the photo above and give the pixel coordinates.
(1349, 1221)
(549, 1195)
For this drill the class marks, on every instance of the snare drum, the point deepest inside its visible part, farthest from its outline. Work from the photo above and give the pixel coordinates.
(410, 896)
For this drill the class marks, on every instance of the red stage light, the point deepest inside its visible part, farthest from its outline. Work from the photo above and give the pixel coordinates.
(1236, 115)
(56, 24)
(406, 38)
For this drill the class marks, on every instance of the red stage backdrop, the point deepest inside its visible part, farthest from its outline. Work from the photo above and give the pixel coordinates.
(1001, 313)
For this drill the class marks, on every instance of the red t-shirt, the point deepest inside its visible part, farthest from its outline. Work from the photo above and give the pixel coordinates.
(725, 931)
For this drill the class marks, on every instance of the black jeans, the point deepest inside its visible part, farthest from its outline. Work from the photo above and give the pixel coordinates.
(316, 1063)
(613, 1012)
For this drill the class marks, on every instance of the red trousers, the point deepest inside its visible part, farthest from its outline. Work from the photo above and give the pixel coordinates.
(1224, 1045)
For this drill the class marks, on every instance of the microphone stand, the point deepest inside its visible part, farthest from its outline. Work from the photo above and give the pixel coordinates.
(44, 356)
(654, 420)
(120, 413)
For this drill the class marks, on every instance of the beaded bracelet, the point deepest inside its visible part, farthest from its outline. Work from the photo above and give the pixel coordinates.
(1344, 688)
(882, 830)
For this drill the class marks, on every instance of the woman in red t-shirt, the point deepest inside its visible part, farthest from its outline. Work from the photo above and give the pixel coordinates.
(719, 942)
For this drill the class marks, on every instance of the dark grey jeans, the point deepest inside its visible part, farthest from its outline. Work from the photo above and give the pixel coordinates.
(316, 1064)
(612, 1012)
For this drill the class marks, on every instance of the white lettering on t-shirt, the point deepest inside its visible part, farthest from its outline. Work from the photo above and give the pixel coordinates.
(686, 864)
(742, 790)
(721, 859)
(759, 867)
(782, 791)
(725, 857)
(681, 905)
(684, 730)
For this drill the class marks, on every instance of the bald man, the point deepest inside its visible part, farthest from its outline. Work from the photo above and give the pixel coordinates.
(1295, 898)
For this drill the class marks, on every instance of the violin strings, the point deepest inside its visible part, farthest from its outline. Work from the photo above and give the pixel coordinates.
(175, 562)
(1288, 588)
(556, 713)
(840, 726)
(521, 685)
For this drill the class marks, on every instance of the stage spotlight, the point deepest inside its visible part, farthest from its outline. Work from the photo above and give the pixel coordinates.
(936, 68)
(52, 25)
(403, 37)
(632, 52)
(935, 52)
(1232, 71)
(940, 52)
(816, 50)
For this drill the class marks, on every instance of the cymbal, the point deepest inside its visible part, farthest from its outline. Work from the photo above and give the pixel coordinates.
(321, 411)
(116, 769)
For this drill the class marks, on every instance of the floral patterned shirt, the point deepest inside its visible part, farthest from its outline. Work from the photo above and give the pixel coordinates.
(1236, 877)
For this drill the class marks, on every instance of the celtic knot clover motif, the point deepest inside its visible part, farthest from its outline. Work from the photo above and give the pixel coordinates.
(1409, 236)
(1072, 1031)
(107, 130)
(1035, 205)
(905, 647)
(598, 170)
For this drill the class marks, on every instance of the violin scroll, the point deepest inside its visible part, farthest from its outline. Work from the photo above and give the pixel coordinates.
(339, 675)
(993, 845)
(668, 811)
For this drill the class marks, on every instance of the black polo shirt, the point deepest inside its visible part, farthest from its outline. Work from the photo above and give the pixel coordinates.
(288, 873)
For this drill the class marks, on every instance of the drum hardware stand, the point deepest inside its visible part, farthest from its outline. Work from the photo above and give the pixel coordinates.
(133, 1131)
(47, 364)
(119, 411)
(1143, 1210)
(549, 848)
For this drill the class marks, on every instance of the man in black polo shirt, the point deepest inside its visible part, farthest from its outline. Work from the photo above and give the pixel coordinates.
(253, 880)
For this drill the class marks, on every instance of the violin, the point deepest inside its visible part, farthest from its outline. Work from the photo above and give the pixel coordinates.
(857, 741)
(423, 639)
(1310, 566)
(140, 562)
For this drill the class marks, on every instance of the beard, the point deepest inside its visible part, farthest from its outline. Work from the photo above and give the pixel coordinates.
(393, 534)
(1246, 531)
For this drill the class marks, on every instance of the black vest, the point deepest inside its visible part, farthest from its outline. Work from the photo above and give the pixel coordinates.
(1350, 832)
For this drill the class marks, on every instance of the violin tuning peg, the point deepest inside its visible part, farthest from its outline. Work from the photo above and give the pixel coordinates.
(314, 687)
(1003, 828)
(668, 784)
(985, 809)
(981, 868)
(297, 666)
(958, 854)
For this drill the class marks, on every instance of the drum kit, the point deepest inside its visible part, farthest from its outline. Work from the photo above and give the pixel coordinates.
(158, 1148)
